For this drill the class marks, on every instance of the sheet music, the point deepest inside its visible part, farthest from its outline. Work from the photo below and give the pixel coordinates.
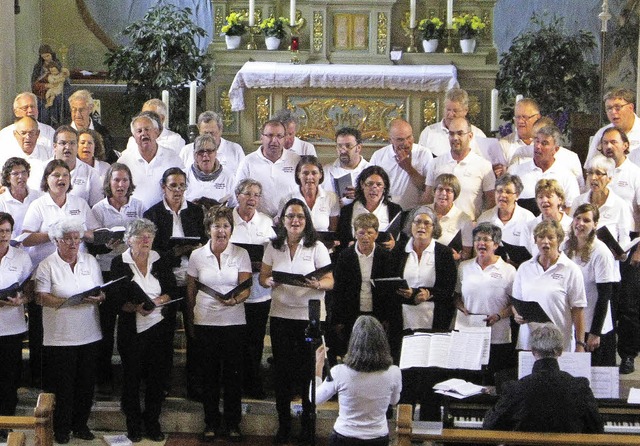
(634, 396)
(415, 351)
(605, 382)
(576, 364)
(469, 348)
(439, 351)
(471, 320)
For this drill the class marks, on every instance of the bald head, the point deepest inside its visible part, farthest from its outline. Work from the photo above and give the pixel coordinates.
(401, 136)
(26, 133)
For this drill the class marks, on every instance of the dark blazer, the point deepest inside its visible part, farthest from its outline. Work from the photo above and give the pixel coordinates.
(444, 285)
(345, 230)
(192, 224)
(109, 145)
(548, 400)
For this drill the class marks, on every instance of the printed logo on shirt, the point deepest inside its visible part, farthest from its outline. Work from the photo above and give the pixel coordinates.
(85, 272)
(74, 212)
(79, 182)
(495, 275)
(623, 183)
(232, 263)
(557, 276)
(288, 169)
(606, 214)
(306, 257)
(131, 214)
(219, 186)
(516, 232)
(12, 268)
(324, 209)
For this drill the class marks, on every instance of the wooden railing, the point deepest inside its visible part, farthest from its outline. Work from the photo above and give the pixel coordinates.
(409, 431)
(41, 423)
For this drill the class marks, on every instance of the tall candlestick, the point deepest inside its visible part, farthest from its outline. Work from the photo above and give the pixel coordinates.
(412, 14)
(292, 12)
(192, 102)
(252, 12)
(165, 99)
(494, 110)
(449, 14)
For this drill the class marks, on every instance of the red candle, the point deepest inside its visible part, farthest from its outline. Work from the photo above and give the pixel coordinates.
(294, 43)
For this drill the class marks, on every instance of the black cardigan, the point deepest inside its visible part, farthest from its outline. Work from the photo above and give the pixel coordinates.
(345, 229)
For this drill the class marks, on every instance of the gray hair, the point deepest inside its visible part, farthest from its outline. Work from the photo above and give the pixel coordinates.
(138, 226)
(157, 105)
(552, 131)
(203, 139)
(285, 117)
(65, 225)
(82, 95)
(368, 349)
(488, 228)
(507, 178)
(547, 341)
(24, 94)
(458, 95)
(208, 116)
(437, 229)
(144, 115)
(601, 162)
(246, 184)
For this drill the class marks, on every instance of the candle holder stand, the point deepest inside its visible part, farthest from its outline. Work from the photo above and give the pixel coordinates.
(295, 42)
(412, 48)
(253, 32)
(449, 48)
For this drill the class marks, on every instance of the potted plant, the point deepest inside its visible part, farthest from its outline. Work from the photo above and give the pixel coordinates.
(432, 31)
(162, 54)
(274, 32)
(234, 29)
(468, 27)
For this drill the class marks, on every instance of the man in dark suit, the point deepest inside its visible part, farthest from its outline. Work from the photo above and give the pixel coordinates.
(548, 400)
(81, 103)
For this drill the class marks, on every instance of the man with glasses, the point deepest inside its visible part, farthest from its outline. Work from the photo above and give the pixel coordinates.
(475, 173)
(26, 104)
(271, 165)
(435, 137)
(81, 103)
(24, 144)
(405, 163)
(291, 141)
(620, 107)
(349, 162)
(526, 113)
(229, 154)
(148, 161)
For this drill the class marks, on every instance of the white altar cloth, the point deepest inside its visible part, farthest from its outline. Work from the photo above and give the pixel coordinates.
(394, 77)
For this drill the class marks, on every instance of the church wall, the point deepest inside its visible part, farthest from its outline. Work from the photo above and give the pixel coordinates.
(28, 38)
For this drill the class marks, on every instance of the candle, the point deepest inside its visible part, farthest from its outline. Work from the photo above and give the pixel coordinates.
(292, 12)
(449, 14)
(519, 98)
(192, 102)
(252, 12)
(165, 99)
(294, 43)
(494, 110)
(412, 14)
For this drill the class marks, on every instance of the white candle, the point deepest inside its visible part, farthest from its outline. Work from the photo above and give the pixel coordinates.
(192, 102)
(292, 12)
(412, 14)
(449, 14)
(494, 110)
(519, 97)
(165, 99)
(252, 12)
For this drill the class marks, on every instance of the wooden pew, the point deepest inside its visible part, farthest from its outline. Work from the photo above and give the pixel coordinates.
(408, 431)
(41, 423)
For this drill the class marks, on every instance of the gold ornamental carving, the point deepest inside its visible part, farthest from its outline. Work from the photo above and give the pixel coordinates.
(382, 33)
(429, 112)
(474, 108)
(225, 109)
(318, 31)
(218, 20)
(263, 110)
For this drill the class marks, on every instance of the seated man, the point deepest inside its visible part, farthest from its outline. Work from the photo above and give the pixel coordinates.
(548, 400)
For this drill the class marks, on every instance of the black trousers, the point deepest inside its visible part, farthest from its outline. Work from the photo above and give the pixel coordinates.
(70, 373)
(627, 310)
(10, 369)
(147, 357)
(36, 335)
(257, 315)
(222, 366)
(340, 440)
(108, 316)
(293, 361)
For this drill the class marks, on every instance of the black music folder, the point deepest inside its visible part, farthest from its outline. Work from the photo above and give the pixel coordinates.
(517, 254)
(456, 242)
(394, 228)
(389, 286)
(531, 311)
(608, 239)
(77, 299)
(140, 297)
(255, 251)
(299, 279)
(341, 184)
(244, 285)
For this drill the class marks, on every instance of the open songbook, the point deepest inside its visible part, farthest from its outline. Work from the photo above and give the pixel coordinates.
(299, 279)
(467, 349)
(388, 286)
(531, 311)
(102, 236)
(608, 239)
(393, 229)
(140, 297)
(458, 388)
(77, 299)
(244, 285)
(13, 289)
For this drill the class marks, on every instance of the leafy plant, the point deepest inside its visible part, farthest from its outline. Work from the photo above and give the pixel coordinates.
(235, 25)
(550, 66)
(274, 27)
(162, 55)
(468, 26)
(432, 28)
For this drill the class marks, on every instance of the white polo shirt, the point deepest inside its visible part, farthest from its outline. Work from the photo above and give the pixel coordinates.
(43, 212)
(366, 265)
(558, 289)
(475, 175)
(302, 147)
(230, 154)
(76, 325)
(257, 231)
(86, 183)
(403, 191)
(510, 144)
(221, 187)
(15, 266)
(327, 205)
(292, 302)
(530, 174)
(334, 170)
(511, 230)
(626, 184)
(565, 157)
(600, 268)
(419, 274)
(615, 214)
(277, 179)
(487, 291)
(454, 222)
(11, 148)
(147, 176)
(633, 135)
(17, 208)
(222, 277)
(170, 140)
(45, 139)
(435, 137)
(526, 234)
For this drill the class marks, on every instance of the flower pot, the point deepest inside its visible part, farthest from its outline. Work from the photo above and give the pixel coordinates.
(273, 43)
(233, 42)
(430, 46)
(467, 45)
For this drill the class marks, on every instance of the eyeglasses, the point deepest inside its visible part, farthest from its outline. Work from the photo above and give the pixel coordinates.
(24, 108)
(377, 184)
(616, 108)
(30, 133)
(482, 239)
(59, 175)
(504, 191)
(21, 173)
(272, 136)
(176, 187)
(202, 152)
(419, 221)
(296, 217)
(448, 190)
(224, 226)
(251, 195)
(66, 143)
(525, 117)
(596, 173)
(458, 133)
(346, 146)
(70, 241)
(145, 237)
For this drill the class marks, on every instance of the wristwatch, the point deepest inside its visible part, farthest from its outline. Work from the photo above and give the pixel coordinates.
(583, 344)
